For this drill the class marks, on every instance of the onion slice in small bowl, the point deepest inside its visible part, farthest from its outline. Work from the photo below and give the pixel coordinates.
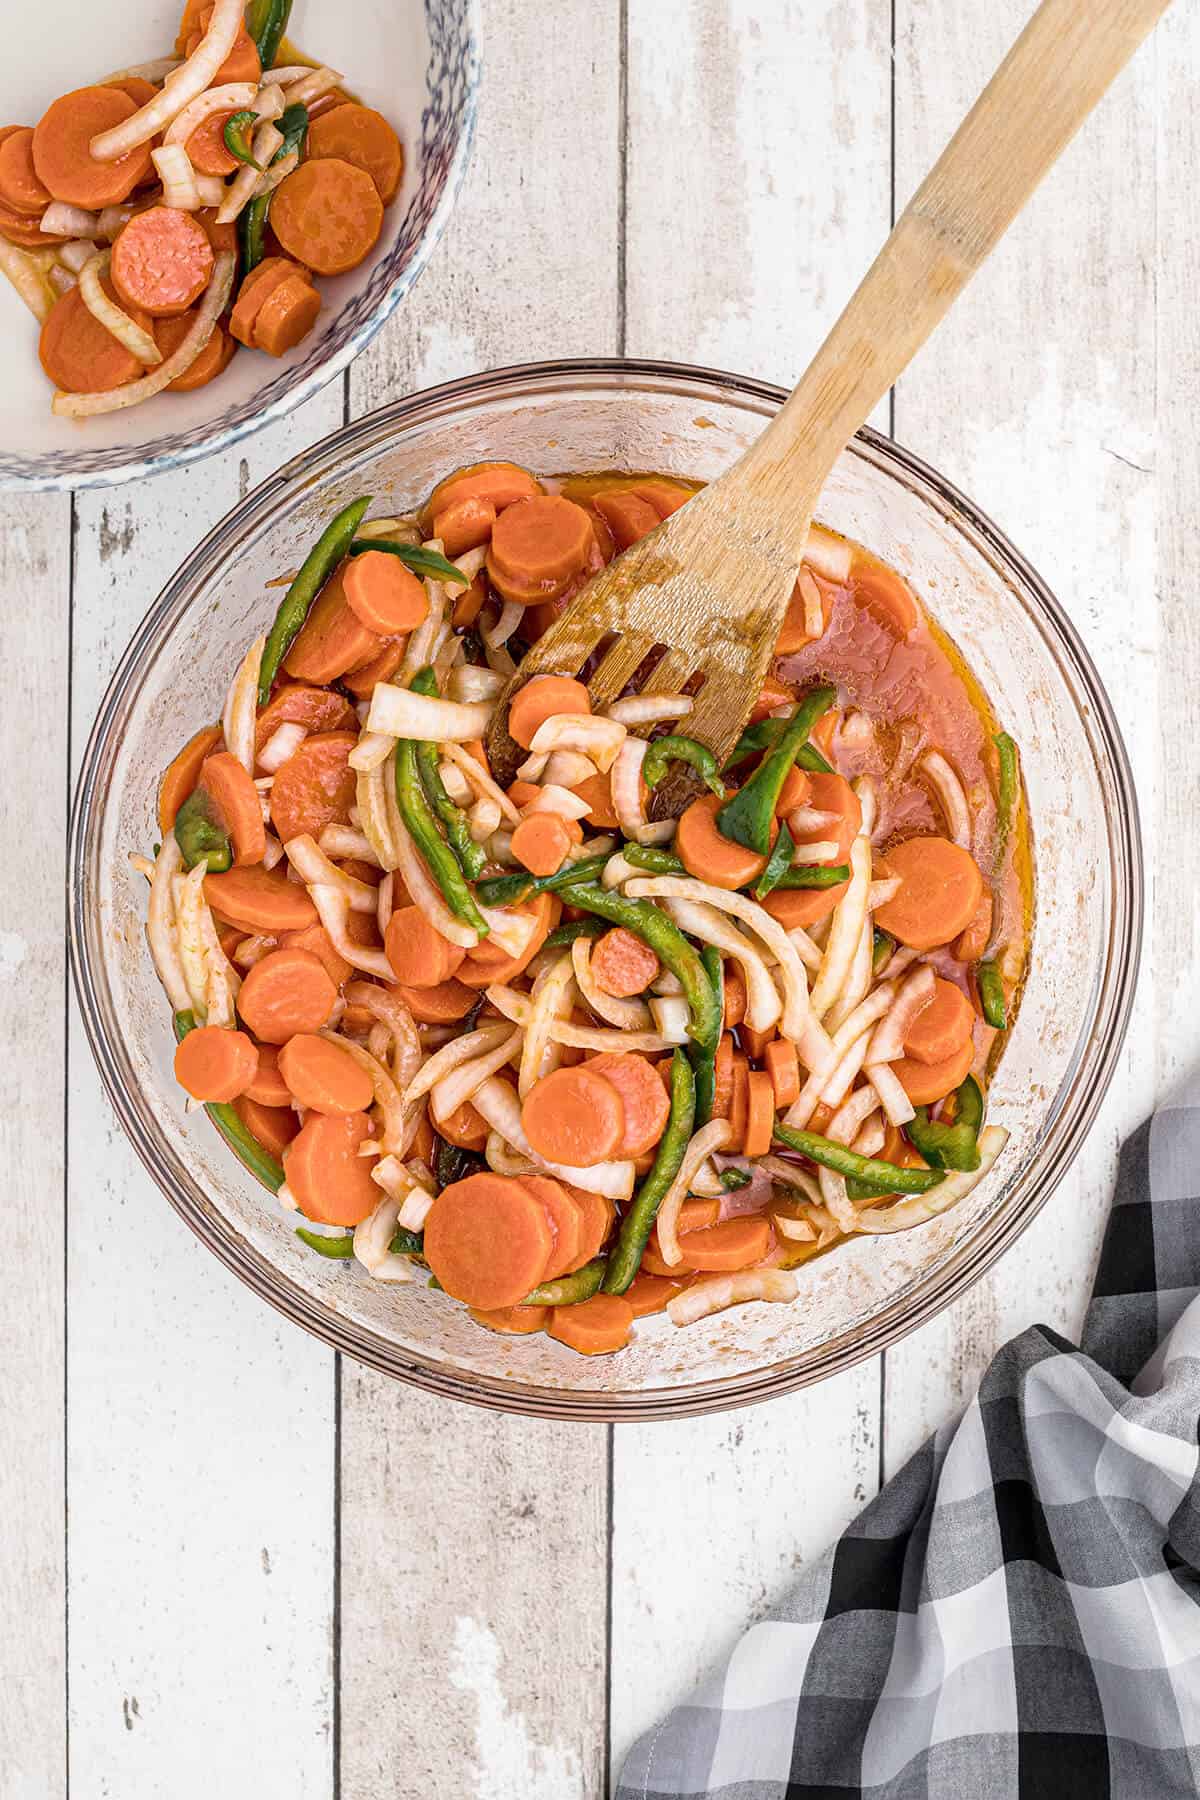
(137, 341)
(82, 406)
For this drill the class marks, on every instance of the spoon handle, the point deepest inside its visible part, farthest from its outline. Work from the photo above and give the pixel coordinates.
(1068, 55)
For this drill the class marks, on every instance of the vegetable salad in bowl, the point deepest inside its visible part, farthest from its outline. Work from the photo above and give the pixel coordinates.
(525, 1041)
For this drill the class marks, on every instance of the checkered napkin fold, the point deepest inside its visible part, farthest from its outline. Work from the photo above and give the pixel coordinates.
(1016, 1616)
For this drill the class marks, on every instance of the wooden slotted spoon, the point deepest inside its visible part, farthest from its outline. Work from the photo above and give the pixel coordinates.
(712, 583)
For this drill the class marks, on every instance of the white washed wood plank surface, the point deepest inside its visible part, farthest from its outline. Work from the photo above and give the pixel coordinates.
(35, 544)
(759, 184)
(200, 1424)
(474, 1549)
(1038, 398)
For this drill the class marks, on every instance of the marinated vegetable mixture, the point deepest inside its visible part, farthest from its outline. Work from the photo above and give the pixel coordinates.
(574, 1064)
(155, 221)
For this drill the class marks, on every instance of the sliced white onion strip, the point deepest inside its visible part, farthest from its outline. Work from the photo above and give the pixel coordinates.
(892, 1096)
(809, 855)
(384, 904)
(671, 1014)
(500, 1107)
(154, 71)
(558, 800)
(483, 817)
(887, 1044)
(193, 953)
(416, 1208)
(373, 815)
(271, 178)
(806, 948)
(252, 949)
(313, 866)
(400, 713)
(423, 890)
(386, 1005)
(779, 1169)
(178, 177)
(398, 1121)
(456, 1088)
(113, 220)
(113, 318)
(479, 779)
(625, 783)
(509, 931)
(343, 840)
(616, 872)
(240, 712)
(468, 683)
(950, 795)
(74, 255)
(332, 909)
(372, 1243)
(455, 783)
(713, 1136)
(242, 189)
(60, 279)
(880, 892)
(452, 1056)
(282, 743)
(62, 220)
(848, 917)
(553, 997)
(180, 87)
(720, 1291)
(210, 189)
(80, 406)
(827, 554)
(232, 96)
(511, 614)
(649, 709)
(594, 736)
(161, 931)
(569, 769)
(814, 611)
(918, 1209)
(837, 1085)
(312, 86)
(871, 1138)
(502, 1159)
(799, 1230)
(224, 982)
(372, 748)
(626, 1015)
(858, 981)
(519, 1008)
(803, 819)
(763, 1002)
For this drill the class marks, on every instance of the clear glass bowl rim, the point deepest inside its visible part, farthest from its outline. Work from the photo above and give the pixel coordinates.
(1094, 1065)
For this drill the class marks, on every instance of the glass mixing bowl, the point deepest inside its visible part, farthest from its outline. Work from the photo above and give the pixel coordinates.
(594, 415)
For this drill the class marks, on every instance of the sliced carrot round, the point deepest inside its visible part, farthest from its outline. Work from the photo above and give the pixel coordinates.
(512, 1321)
(644, 1099)
(538, 546)
(78, 353)
(803, 906)
(444, 1004)
(260, 900)
(648, 1294)
(327, 215)
(420, 956)
(622, 964)
(273, 1127)
(760, 1113)
(500, 484)
(485, 964)
(215, 357)
(20, 186)
(597, 792)
(940, 888)
(739, 1104)
(296, 703)
(315, 787)
(598, 1215)
(710, 856)
(926, 1082)
(286, 316)
(783, 1067)
(943, 1025)
(286, 991)
(387, 597)
(566, 1222)
(25, 229)
(735, 997)
(236, 799)
(327, 1177)
(629, 516)
(594, 1327)
(363, 681)
(323, 1076)
(162, 261)
(664, 495)
(971, 943)
(183, 773)
(255, 289)
(832, 793)
(62, 155)
(214, 1063)
(731, 1245)
(360, 135)
(465, 1127)
(574, 1117)
(268, 1087)
(488, 1240)
(464, 525)
(888, 597)
(540, 700)
(796, 791)
(317, 941)
(332, 639)
(540, 842)
(206, 148)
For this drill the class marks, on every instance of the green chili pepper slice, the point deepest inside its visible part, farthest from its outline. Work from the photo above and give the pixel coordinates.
(562, 935)
(658, 862)
(435, 852)
(407, 1243)
(626, 1256)
(472, 857)
(292, 126)
(1007, 787)
(242, 1142)
(814, 875)
(766, 733)
(951, 1146)
(201, 835)
(340, 1247)
(883, 948)
(669, 749)
(315, 571)
(252, 220)
(887, 1177)
(569, 1290)
(778, 864)
(731, 1179)
(991, 996)
(450, 1163)
(510, 890)
(266, 22)
(704, 1057)
(426, 563)
(668, 943)
(236, 137)
(746, 818)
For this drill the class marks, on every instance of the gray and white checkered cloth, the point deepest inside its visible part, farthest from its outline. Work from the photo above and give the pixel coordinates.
(1017, 1614)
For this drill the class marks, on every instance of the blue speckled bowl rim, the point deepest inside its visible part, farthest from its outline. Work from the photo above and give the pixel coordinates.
(447, 138)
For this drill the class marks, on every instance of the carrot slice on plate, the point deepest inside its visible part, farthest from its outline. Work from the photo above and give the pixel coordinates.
(360, 135)
(328, 215)
(20, 186)
(162, 261)
(215, 1064)
(597, 1214)
(286, 316)
(594, 1327)
(648, 1294)
(79, 354)
(62, 153)
(464, 525)
(733, 1244)
(212, 360)
(285, 992)
(328, 1179)
(488, 1240)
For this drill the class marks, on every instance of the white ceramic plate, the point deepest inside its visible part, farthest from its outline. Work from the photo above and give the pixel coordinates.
(417, 61)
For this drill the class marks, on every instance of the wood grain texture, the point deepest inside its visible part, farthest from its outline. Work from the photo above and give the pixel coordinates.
(473, 1548)
(200, 1425)
(1038, 398)
(35, 538)
(758, 190)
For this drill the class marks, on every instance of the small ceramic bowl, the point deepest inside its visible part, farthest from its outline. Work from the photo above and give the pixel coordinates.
(417, 61)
